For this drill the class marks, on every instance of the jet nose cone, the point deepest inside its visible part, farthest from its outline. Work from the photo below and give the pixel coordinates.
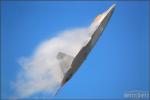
(102, 19)
(111, 8)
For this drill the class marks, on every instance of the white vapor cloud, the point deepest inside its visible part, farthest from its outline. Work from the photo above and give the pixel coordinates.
(41, 71)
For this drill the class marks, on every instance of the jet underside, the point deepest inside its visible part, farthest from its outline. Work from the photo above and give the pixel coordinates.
(75, 62)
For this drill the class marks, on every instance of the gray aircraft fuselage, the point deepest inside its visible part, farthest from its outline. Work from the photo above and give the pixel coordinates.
(84, 51)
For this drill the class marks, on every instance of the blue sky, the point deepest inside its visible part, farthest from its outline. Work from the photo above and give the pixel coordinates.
(118, 63)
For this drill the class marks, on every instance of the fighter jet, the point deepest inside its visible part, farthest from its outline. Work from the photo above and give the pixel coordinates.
(69, 64)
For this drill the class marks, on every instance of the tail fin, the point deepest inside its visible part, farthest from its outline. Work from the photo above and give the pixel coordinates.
(65, 61)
